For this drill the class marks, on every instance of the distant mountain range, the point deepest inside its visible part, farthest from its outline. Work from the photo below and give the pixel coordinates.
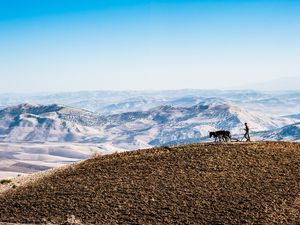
(286, 133)
(278, 103)
(36, 137)
(158, 126)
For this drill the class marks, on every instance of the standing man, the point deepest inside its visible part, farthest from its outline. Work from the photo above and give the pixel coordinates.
(247, 135)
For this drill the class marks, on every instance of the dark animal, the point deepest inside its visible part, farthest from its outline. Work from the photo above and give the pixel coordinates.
(221, 135)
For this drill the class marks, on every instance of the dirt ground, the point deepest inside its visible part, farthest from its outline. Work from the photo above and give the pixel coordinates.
(235, 183)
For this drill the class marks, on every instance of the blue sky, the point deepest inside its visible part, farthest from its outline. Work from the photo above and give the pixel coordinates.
(70, 45)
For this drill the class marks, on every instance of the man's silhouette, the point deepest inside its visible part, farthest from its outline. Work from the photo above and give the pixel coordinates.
(247, 135)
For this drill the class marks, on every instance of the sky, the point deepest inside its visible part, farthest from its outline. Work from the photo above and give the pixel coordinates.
(72, 45)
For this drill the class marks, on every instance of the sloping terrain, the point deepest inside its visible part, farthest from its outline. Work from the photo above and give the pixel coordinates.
(256, 183)
(39, 123)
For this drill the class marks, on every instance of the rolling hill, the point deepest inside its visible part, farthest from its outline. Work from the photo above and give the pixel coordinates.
(256, 183)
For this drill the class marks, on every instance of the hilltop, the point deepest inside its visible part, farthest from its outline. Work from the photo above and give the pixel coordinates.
(256, 183)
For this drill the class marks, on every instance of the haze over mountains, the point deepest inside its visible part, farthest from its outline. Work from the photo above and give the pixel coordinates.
(280, 84)
(278, 103)
(35, 136)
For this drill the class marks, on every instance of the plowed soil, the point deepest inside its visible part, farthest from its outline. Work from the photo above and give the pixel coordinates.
(256, 183)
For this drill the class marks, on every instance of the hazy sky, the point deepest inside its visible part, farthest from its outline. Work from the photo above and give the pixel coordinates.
(68, 45)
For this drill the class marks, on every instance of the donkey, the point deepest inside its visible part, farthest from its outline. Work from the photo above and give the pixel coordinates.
(221, 135)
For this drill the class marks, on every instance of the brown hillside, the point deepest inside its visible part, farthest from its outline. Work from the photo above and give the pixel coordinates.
(255, 183)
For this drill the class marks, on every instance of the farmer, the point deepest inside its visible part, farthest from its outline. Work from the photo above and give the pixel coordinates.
(247, 135)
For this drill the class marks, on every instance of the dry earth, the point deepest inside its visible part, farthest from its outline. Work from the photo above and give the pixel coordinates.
(256, 183)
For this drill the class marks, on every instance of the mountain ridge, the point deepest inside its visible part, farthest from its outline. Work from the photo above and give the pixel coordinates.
(277, 103)
(39, 136)
(158, 125)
